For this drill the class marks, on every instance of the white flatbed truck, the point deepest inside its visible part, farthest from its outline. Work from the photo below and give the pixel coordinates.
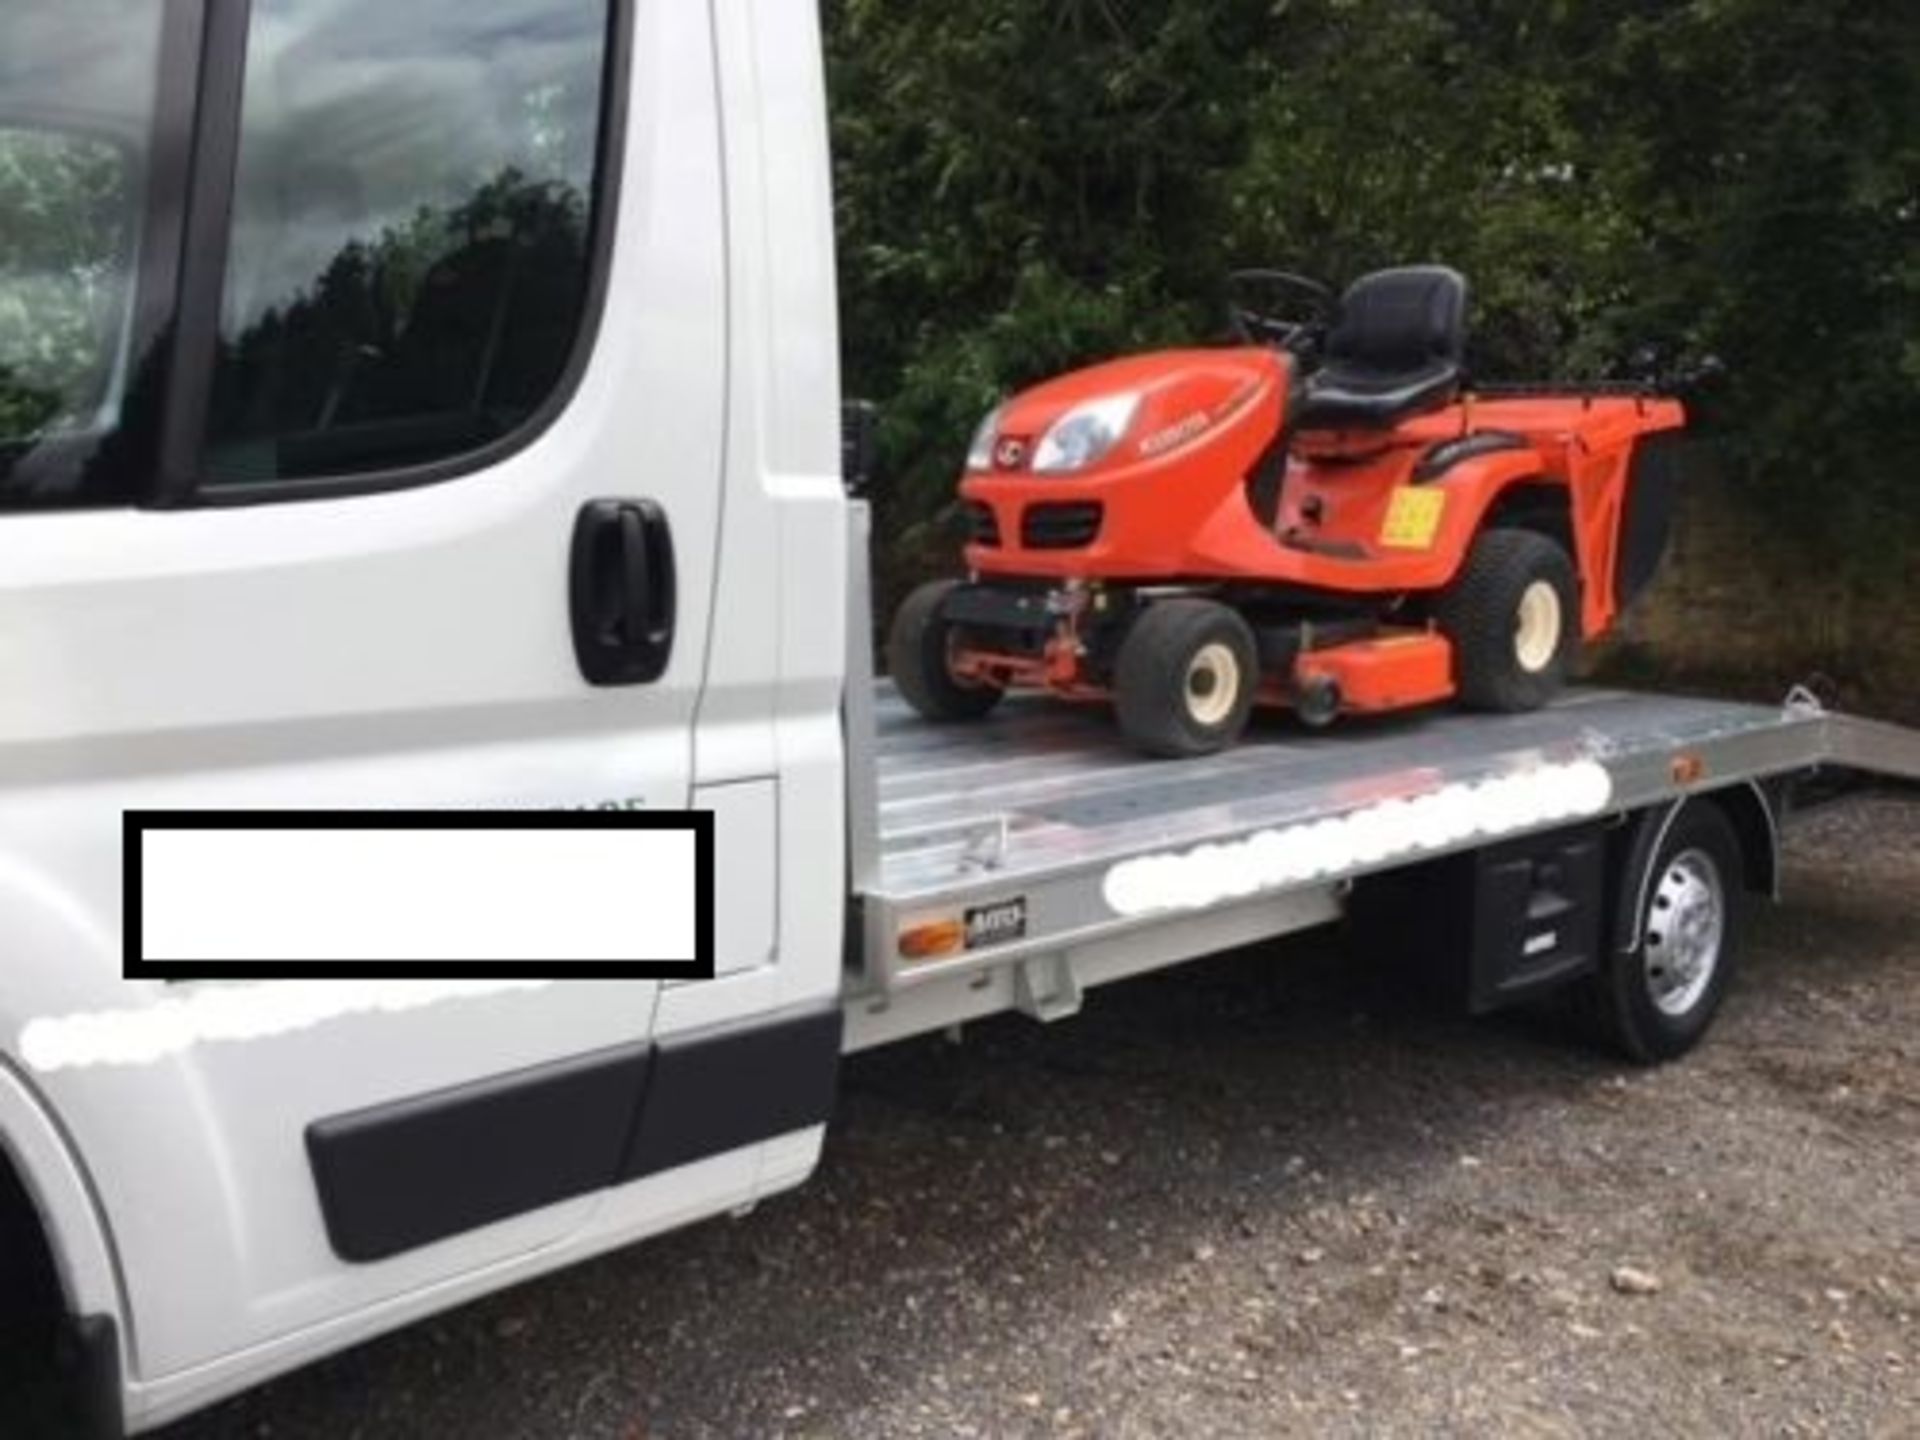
(445, 416)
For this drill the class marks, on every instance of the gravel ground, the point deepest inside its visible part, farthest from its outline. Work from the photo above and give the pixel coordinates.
(1226, 1201)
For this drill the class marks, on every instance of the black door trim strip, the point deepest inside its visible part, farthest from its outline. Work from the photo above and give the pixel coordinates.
(403, 1174)
(712, 1091)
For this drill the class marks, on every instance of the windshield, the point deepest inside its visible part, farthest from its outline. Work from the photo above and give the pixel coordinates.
(77, 83)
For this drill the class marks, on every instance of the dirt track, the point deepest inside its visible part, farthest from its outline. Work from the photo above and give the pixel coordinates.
(1225, 1201)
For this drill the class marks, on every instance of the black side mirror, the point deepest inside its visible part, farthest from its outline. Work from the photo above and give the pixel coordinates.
(859, 431)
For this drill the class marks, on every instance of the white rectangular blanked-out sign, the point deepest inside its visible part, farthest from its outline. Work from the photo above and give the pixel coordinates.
(269, 894)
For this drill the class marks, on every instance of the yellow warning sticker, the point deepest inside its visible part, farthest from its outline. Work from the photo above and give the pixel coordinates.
(1413, 518)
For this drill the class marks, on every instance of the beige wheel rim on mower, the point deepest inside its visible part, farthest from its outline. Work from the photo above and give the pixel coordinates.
(1212, 684)
(1536, 627)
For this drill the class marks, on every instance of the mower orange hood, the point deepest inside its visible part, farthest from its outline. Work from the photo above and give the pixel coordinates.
(1183, 396)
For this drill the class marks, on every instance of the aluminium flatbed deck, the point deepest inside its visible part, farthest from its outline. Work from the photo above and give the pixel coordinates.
(1011, 862)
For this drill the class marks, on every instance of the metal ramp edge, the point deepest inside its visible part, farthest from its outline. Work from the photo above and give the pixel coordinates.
(1874, 746)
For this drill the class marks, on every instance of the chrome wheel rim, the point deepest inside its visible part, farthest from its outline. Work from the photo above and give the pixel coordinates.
(1686, 926)
(1536, 627)
(1212, 683)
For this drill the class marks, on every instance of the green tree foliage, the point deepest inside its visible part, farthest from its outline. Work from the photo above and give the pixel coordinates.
(1773, 152)
(1029, 184)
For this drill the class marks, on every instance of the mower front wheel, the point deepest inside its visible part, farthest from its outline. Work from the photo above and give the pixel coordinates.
(1185, 678)
(1513, 615)
(919, 657)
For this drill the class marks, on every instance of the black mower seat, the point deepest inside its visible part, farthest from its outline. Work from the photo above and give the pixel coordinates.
(1395, 352)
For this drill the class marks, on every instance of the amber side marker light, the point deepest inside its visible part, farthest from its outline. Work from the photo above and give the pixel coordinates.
(932, 940)
(1688, 769)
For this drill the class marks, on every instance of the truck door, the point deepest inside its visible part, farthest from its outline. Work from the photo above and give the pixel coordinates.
(362, 374)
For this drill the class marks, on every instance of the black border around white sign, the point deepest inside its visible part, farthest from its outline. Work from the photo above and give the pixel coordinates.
(137, 825)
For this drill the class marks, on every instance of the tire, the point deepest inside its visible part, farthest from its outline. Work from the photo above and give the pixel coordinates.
(1185, 679)
(1513, 615)
(38, 1395)
(1317, 702)
(917, 648)
(1655, 1002)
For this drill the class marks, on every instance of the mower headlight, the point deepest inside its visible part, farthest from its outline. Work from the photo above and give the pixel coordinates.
(980, 452)
(1085, 433)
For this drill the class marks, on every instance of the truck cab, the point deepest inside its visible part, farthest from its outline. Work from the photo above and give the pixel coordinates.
(350, 347)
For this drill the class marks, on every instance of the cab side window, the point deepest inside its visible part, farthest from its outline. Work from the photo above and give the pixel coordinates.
(409, 260)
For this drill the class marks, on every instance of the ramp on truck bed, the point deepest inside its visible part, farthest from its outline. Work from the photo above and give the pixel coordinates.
(1011, 862)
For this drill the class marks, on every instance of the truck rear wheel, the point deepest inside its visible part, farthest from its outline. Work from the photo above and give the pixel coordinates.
(919, 651)
(1185, 679)
(1513, 615)
(1655, 1002)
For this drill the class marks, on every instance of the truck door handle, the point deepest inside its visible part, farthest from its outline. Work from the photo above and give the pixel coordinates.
(622, 591)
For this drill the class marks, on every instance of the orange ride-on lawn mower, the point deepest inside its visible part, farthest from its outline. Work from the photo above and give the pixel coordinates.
(1321, 516)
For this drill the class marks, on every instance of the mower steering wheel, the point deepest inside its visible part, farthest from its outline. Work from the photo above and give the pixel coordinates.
(1317, 306)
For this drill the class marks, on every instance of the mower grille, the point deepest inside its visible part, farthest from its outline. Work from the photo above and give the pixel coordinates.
(983, 526)
(1067, 525)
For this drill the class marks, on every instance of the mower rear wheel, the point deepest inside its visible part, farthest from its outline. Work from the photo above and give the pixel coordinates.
(1512, 614)
(919, 657)
(1185, 678)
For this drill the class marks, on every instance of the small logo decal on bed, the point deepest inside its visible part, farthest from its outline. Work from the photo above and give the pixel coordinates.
(998, 923)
